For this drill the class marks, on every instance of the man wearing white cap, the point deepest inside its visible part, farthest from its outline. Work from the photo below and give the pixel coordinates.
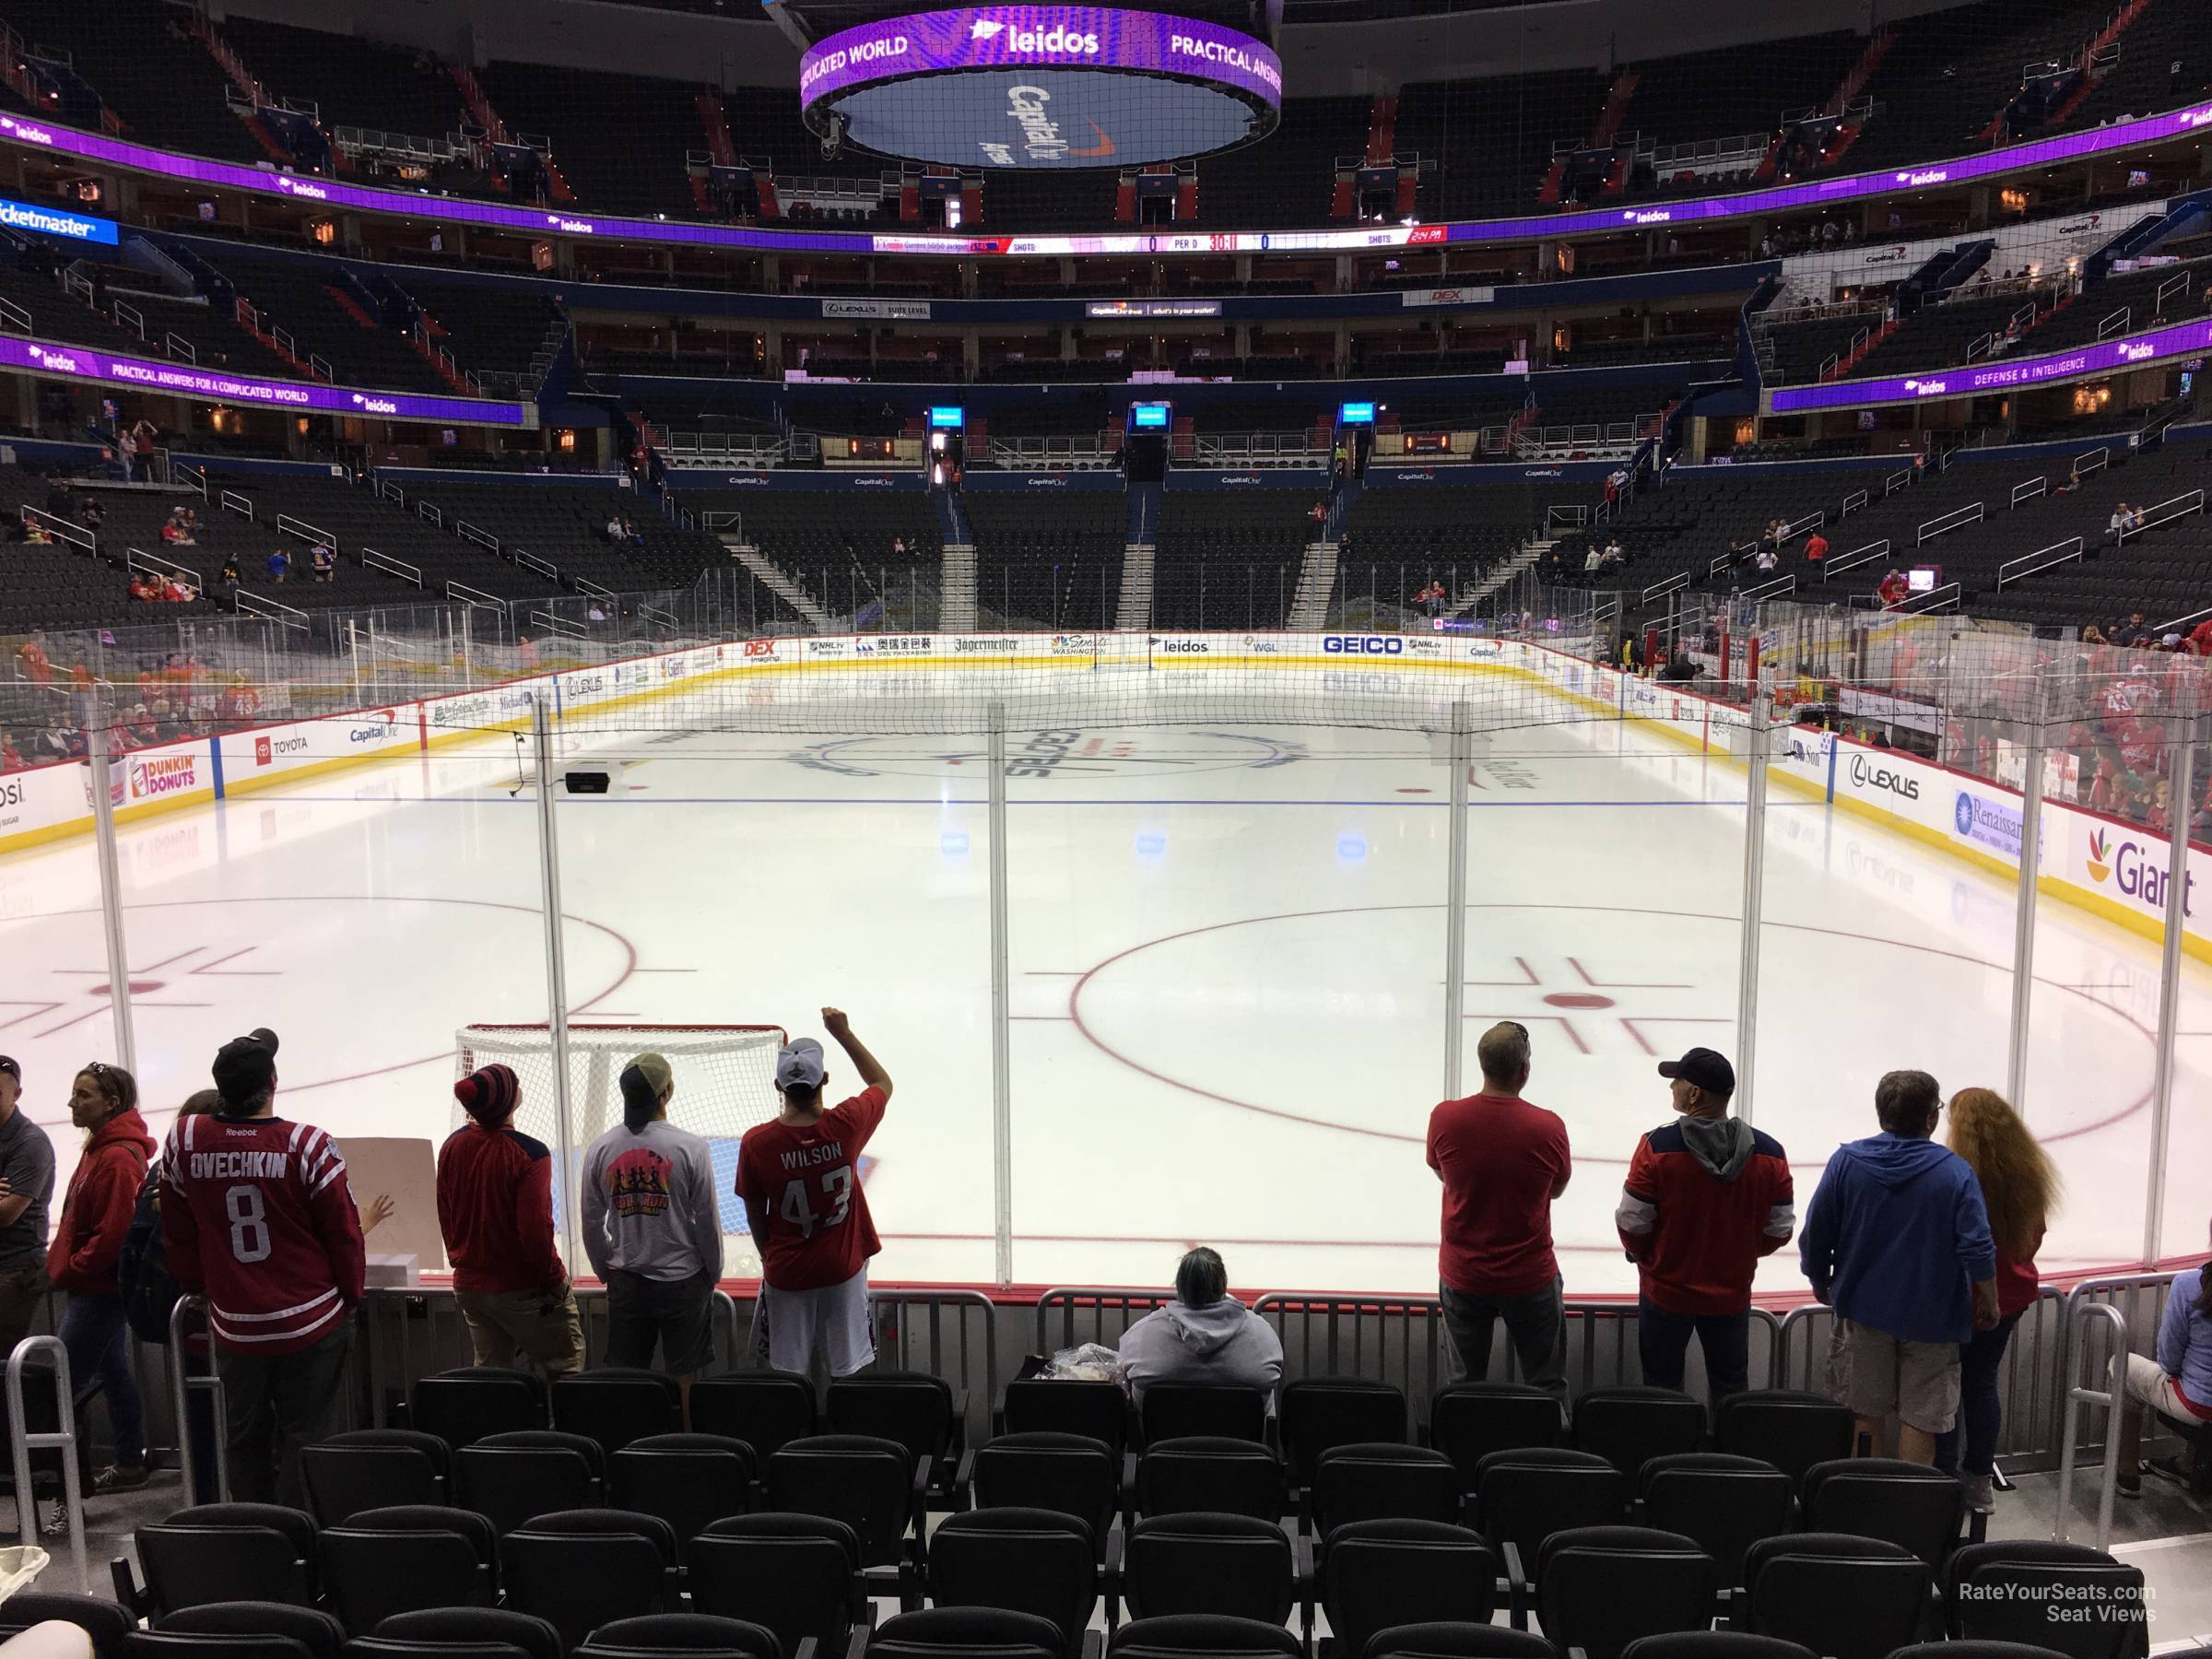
(799, 1177)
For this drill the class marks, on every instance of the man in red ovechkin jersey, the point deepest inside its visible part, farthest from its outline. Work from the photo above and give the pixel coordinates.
(799, 1177)
(256, 1214)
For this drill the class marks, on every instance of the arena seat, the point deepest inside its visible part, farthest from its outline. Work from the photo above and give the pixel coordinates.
(797, 1575)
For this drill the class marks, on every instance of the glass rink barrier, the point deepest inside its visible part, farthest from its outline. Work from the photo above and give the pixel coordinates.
(1166, 937)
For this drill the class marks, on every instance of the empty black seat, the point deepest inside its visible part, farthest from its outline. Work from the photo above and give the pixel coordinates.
(689, 1480)
(403, 1558)
(616, 1405)
(244, 1627)
(372, 1468)
(1469, 1420)
(797, 1575)
(1028, 1560)
(2000, 1591)
(106, 1622)
(1382, 1481)
(1726, 1503)
(512, 1476)
(228, 1552)
(580, 1568)
(701, 1634)
(1457, 1639)
(1844, 1597)
(965, 1633)
(462, 1406)
(1180, 1410)
(1097, 1409)
(1626, 1425)
(1070, 1473)
(505, 1627)
(1198, 1562)
(1203, 1636)
(1600, 1587)
(1380, 1574)
(1322, 1412)
(1789, 1428)
(1209, 1471)
(1908, 1504)
(764, 1409)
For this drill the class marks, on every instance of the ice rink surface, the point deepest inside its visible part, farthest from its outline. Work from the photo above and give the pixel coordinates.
(1226, 947)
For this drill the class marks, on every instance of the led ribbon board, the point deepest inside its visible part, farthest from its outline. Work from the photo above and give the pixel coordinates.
(330, 194)
(1041, 86)
(2190, 339)
(80, 362)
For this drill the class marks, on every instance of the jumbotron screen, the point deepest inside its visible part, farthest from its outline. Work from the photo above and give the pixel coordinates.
(1041, 86)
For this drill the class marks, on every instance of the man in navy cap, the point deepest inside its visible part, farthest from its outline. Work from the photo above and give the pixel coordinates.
(1707, 1196)
(799, 1176)
(26, 1188)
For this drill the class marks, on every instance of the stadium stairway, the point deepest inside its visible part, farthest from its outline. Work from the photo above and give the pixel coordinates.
(771, 576)
(1316, 581)
(1132, 609)
(955, 594)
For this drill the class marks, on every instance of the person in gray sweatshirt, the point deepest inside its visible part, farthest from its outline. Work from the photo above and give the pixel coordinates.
(1204, 1336)
(652, 1228)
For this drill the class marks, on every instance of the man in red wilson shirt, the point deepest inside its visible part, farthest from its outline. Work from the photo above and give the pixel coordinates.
(495, 1207)
(1706, 1197)
(1503, 1161)
(256, 1214)
(799, 1177)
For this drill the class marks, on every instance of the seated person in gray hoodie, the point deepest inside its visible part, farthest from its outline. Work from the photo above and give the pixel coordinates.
(1204, 1336)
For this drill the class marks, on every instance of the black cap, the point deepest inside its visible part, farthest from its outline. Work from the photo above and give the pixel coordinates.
(1704, 1067)
(8, 1065)
(244, 1066)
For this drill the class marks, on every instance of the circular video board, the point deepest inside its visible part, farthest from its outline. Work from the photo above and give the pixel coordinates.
(1040, 87)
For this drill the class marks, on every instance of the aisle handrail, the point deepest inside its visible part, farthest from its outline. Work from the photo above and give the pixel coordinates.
(22, 1442)
(182, 1384)
(2112, 1397)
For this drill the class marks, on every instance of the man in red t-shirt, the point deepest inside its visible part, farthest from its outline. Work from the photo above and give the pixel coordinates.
(799, 1178)
(1503, 1161)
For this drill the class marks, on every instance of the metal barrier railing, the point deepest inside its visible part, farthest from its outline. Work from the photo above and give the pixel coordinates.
(183, 1384)
(2112, 1397)
(23, 1441)
(1070, 1302)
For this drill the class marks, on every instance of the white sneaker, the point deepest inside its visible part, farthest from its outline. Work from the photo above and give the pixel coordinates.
(1981, 1493)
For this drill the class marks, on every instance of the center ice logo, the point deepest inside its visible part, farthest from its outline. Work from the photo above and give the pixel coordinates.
(2099, 865)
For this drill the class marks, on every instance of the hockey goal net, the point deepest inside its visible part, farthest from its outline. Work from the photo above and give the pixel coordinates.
(725, 1075)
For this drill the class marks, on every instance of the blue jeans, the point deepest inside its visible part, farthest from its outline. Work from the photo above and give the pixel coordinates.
(1662, 1343)
(98, 1340)
(1980, 1410)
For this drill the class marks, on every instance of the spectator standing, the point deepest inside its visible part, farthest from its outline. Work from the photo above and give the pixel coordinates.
(2020, 1188)
(1707, 1196)
(1815, 547)
(1897, 1241)
(1502, 1163)
(88, 1243)
(798, 1176)
(614, 527)
(25, 1189)
(2177, 1383)
(652, 1228)
(279, 564)
(257, 1215)
(325, 561)
(37, 668)
(495, 1209)
(1204, 1336)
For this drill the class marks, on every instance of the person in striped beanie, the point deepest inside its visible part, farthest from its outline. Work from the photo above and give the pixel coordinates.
(495, 1207)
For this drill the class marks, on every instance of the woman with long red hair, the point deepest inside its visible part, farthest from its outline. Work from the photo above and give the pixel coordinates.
(2020, 1188)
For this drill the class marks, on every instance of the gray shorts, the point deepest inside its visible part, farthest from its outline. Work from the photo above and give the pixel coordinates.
(791, 1327)
(1878, 1375)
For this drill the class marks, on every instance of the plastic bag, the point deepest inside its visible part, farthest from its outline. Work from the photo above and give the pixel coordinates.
(20, 1563)
(1087, 1362)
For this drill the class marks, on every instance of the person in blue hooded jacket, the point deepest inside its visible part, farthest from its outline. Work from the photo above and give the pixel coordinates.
(1897, 1241)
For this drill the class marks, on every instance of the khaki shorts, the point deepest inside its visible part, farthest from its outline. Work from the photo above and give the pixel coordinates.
(1878, 1375)
(2148, 1385)
(503, 1323)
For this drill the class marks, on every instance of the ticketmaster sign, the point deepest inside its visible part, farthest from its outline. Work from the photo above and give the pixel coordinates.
(54, 221)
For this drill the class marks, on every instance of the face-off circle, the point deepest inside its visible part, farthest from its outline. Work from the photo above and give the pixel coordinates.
(1041, 86)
